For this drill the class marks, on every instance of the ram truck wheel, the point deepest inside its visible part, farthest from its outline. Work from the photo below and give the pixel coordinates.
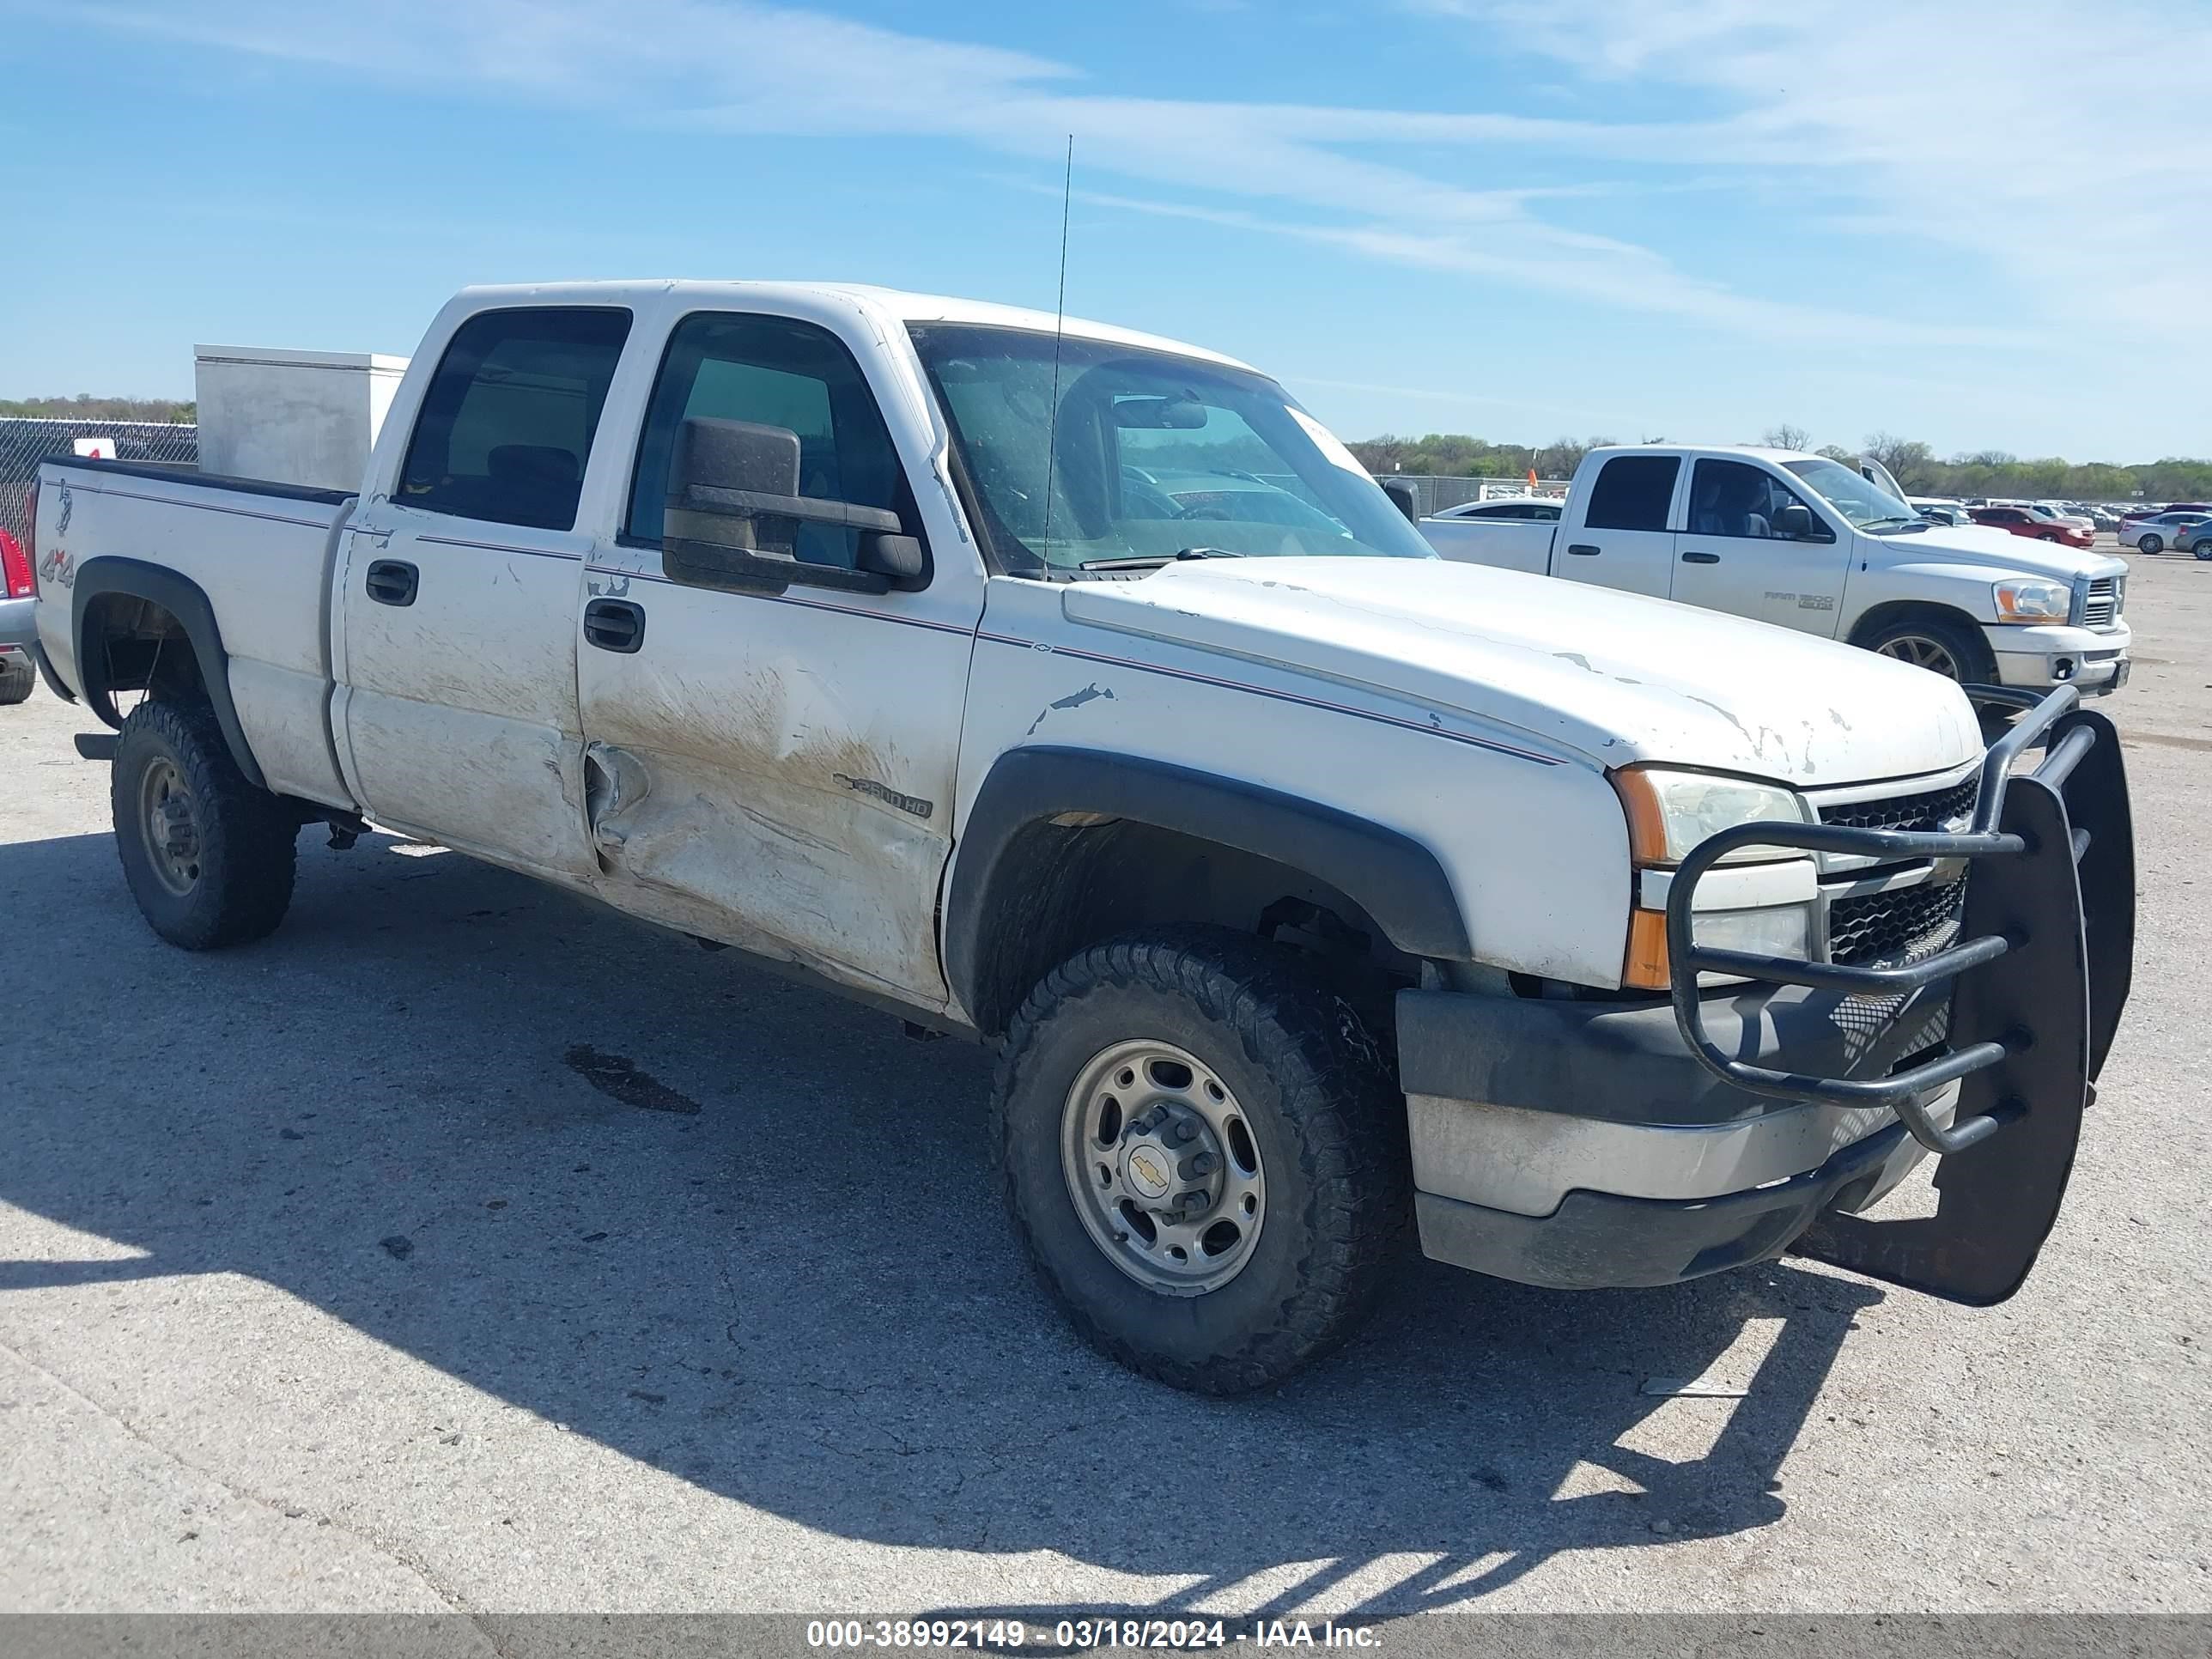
(1951, 649)
(17, 676)
(210, 858)
(1204, 1153)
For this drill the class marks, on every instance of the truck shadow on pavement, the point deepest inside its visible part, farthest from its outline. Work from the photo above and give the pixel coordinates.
(452, 1108)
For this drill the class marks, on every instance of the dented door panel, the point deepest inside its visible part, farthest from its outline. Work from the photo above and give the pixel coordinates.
(776, 771)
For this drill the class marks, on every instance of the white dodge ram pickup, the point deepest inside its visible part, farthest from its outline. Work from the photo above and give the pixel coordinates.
(1308, 885)
(1812, 544)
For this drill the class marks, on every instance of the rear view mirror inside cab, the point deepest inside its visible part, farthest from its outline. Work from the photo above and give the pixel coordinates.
(1160, 414)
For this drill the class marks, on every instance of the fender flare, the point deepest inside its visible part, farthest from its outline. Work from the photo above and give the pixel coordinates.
(183, 598)
(1394, 878)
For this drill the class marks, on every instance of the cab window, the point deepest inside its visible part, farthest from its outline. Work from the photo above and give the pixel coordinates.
(507, 423)
(1729, 498)
(1633, 492)
(775, 372)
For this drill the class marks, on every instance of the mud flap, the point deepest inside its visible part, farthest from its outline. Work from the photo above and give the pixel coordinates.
(2054, 1000)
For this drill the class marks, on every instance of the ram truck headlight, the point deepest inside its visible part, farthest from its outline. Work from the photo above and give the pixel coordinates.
(2031, 601)
(1670, 813)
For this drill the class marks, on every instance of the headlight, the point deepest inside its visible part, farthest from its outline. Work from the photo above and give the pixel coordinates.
(1670, 812)
(2032, 601)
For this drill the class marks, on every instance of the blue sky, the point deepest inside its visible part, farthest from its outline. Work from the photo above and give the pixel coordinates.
(1978, 222)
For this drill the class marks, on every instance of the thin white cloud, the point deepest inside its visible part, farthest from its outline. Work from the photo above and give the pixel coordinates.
(738, 66)
(2060, 181)
(2045, 143)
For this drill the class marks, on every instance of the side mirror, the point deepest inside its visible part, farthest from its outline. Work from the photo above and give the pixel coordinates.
(1795, 522)
(733, 511)
(1402, 493)
(898, 557)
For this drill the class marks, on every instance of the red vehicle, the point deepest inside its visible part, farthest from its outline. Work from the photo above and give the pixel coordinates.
(2022, 522)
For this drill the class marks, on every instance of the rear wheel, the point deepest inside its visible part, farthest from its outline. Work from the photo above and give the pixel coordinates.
(2152, 545)
(1205, 1153)
(210, 858)
(2203, 549)
(16, 678)
(1953, 649)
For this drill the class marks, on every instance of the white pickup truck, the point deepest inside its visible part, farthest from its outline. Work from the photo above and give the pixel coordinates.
(1813, 544)
(1307, 885)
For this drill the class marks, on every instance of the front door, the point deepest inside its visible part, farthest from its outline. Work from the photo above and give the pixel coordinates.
(457, 674)
(1622, 540)
(1742, 550)
(775, 770)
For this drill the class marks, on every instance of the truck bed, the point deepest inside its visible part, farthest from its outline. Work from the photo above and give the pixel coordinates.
(1503, 544)
(260, 552)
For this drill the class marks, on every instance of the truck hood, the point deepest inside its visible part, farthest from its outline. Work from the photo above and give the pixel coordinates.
(1614, 678)
(2000, 550)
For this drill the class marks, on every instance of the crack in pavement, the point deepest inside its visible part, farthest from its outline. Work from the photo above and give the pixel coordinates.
(393, 1552)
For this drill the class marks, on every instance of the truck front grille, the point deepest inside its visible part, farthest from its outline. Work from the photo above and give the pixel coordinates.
(1937, 810)
(1899, 924)
(2102, 602)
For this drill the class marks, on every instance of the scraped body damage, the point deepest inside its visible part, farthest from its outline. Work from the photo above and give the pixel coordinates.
(778, 775)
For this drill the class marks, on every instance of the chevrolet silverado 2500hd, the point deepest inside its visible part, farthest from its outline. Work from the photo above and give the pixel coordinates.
(1813, 544)
(1307, 885)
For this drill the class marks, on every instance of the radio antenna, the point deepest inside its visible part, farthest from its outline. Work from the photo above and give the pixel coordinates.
(1059, 325)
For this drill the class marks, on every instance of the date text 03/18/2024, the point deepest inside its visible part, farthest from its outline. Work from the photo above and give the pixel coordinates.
(1065, 1635)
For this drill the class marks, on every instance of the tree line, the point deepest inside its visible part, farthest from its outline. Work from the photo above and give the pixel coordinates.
(86, 407)
(1915, 465)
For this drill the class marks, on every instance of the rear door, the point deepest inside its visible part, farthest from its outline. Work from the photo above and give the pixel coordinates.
(460, 587)
(1620, 537)
(1735, 552)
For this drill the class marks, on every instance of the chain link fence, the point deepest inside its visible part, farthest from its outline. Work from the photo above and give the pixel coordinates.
(24, 443)
(1434, 492)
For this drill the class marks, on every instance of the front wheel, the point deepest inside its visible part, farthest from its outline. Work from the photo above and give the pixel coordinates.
(1953, 649)
(1205, 1153)
(210, 858)
(2151, 544)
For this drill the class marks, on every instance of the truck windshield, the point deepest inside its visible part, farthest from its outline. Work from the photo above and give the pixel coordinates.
(1866, 504)
(1144, 458)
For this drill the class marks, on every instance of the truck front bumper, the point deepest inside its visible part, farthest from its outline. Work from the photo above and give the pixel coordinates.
(2093, 660)
(1580, 1146)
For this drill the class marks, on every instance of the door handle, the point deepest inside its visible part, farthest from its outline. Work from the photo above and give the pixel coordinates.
(1584, 548)
(614, 625)
(392, 581)
(1701, 559)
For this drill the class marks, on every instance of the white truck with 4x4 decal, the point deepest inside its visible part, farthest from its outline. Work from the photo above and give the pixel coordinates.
(1076, 690)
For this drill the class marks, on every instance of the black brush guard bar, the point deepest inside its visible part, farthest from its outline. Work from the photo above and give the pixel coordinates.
(2037, 982)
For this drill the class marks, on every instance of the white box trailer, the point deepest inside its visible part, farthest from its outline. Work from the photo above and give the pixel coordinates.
(296, 417)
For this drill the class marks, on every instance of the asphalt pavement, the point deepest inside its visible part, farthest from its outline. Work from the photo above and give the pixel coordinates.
(463, 1247)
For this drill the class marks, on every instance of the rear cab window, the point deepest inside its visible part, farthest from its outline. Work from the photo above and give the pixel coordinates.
(1633, 492)
(507, 425)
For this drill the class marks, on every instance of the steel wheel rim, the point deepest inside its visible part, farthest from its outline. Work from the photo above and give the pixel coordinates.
(2151, 544)
(1162, 1167)
(1922, 653)
(171, 828)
